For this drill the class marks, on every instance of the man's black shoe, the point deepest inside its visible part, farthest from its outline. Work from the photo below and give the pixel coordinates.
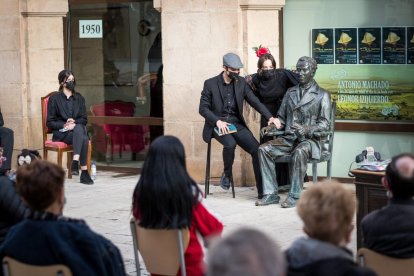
(75, 167)
(85, 178)
(225, 182)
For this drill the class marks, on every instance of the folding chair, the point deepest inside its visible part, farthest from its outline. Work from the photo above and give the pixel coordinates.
(12, 267)
(162, 250)
(384, 265)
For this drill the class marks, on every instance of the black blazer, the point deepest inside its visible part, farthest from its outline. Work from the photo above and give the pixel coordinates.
(212, 103)
(1, 119)
(58, 113)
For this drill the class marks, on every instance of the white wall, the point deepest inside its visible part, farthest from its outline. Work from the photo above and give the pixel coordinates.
(300, 16)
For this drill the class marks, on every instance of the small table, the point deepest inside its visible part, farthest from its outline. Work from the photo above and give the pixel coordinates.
(371, 195)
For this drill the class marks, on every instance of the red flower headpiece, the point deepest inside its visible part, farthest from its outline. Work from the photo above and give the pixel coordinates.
(260, 51)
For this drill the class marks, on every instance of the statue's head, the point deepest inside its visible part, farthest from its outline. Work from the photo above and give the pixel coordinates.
(306, 68)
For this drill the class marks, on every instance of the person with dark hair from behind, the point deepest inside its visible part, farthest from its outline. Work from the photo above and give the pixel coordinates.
(13, 210)
(166, 197)
(327, 210)
(270, 85)
(246, 252)
(46, 237)
(6, 147)
(390, 230)
(67, 118)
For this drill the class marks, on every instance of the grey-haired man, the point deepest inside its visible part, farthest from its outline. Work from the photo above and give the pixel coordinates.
(221, 104)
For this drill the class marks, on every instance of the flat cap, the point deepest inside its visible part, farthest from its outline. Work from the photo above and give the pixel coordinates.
(232, 60)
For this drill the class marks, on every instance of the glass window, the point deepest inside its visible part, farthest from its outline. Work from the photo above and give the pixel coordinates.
(115, 53)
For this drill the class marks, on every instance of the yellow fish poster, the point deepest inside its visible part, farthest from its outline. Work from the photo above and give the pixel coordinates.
(346, 45)
(369, 49)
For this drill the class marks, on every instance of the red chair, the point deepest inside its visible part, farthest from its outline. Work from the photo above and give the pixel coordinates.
(111, 136)
(59, 147)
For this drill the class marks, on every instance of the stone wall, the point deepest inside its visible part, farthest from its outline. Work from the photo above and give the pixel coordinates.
(31, 50)
(196, 34)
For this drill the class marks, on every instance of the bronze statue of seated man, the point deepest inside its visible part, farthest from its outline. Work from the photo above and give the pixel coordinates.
(305, 109)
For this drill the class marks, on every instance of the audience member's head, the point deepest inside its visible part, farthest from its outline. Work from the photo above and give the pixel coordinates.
(40, 184)
(399, 176)
(165, 194)
(327, 210)
(246, 252)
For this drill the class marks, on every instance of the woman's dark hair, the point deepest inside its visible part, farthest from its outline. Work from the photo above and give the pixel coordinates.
(265, 57)
(63, 76)
(401, 186)
(40, 183)
(165, 194)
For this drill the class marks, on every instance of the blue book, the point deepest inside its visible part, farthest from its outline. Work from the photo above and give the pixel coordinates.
(232, 129)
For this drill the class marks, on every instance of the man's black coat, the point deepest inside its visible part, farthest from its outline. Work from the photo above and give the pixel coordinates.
(212, 103)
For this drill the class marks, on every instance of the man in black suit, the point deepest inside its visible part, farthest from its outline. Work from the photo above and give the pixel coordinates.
(390, 230)
(221, 104)
(6, 142)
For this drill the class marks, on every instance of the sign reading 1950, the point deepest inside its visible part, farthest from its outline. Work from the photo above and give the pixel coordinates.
(90, 29)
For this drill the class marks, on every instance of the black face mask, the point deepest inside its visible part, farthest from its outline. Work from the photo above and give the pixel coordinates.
(233, 76)
(267, 74)
(70, 85)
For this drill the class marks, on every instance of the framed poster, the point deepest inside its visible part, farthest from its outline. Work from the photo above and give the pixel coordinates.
(346, 45)
(369, 50)
(410, 45)
(393, 45)
(322, 46)
(370, 92)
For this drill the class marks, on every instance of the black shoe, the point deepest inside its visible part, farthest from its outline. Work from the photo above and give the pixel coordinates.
(225, 182)
(75, 167)
(85, 178)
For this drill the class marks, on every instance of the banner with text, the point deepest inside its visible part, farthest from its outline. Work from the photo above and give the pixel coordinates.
(370, 92)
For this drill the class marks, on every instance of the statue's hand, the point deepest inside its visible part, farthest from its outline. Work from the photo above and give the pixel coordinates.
(269, 130)
(301, 130)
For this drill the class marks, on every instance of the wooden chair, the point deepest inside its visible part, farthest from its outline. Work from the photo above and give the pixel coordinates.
(162, 250)
(12, 267)
(384, 265)
(59, 147)
(326, 155)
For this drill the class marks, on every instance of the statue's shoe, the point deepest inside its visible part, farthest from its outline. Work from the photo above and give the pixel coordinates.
(289, 202)
(267, 200)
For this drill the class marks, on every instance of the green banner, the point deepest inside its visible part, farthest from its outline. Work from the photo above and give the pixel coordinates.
(370, 92)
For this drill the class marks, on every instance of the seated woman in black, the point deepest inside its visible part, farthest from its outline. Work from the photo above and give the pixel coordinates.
(46, 237)
(66, 116)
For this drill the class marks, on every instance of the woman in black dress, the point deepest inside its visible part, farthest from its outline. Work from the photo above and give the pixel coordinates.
(270, 85)
(67, 118)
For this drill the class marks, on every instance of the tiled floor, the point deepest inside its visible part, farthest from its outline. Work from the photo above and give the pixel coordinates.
(106, 207)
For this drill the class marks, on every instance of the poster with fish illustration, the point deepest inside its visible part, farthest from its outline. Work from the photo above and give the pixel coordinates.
(393, 45)
(323, 46)
(369, 41)
(345, 45)
(410, 45)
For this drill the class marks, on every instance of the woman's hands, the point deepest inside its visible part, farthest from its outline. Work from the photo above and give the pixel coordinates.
(70, 124)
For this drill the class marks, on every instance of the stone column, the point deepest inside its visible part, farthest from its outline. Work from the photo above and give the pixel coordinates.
(261, 26)
(42, 42)
(31, 50)
(196, 34)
